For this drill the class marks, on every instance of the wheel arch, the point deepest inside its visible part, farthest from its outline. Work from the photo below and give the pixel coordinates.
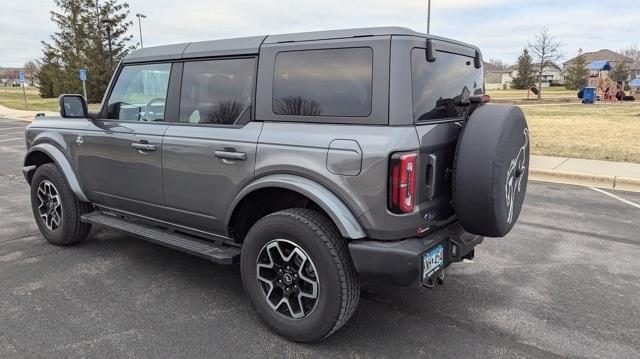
(318, 194)
(47, 153)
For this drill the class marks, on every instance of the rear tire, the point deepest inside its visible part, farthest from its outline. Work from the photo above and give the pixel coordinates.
(315, 252)
(56, 209)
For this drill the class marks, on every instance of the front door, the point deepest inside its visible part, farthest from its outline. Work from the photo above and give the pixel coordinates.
(209, 154)
(121, 163)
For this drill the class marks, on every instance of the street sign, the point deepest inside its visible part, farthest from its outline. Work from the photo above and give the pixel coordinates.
(21, 76)
(83, 74)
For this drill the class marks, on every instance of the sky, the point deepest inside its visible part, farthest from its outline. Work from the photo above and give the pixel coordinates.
(501, 28)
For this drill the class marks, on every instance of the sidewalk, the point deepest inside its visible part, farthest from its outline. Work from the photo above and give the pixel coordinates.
(21, 114)
(604, 174)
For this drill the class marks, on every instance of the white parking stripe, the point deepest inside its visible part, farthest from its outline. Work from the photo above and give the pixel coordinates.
(12, 139)
(10, 128)
(616, 197)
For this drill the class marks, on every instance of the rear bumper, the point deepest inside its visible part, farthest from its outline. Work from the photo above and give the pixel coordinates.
(399, 263)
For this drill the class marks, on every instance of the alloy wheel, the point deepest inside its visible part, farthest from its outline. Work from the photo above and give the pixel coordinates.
(49, 205)
(288, 278)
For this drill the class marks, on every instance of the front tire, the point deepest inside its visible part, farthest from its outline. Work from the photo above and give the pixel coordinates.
(298, 274)
(56, 209)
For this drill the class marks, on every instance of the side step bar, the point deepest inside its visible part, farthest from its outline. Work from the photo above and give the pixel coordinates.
(215, 252)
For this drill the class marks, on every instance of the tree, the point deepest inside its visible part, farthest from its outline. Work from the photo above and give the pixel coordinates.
(81, 41)
(576, 75)
(30, 70)
(499, 64)
(632, 52)
(547, 50)
(525, 77)
(620, 73)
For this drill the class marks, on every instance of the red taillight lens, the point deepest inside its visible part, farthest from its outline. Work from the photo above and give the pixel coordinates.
(402, 182)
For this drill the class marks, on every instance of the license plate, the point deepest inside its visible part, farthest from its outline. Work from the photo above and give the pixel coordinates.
(432, 261)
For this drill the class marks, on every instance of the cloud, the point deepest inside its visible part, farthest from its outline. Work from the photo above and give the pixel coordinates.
(500, 27)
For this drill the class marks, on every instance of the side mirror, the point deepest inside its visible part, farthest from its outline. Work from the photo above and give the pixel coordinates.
(73, 106)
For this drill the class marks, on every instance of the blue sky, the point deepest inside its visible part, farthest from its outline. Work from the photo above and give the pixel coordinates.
(500, 27)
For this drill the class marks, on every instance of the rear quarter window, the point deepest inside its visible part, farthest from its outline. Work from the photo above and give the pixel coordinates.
(439, 86)
(326, 82)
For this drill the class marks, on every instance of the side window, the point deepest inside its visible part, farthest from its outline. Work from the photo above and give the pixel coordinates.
(217, 91)
(140, 93)
(332, 82)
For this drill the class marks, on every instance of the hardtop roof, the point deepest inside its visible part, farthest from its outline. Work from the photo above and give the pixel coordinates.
(251, 45)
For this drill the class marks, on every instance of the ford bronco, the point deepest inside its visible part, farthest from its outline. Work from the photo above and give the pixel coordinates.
(318, 161)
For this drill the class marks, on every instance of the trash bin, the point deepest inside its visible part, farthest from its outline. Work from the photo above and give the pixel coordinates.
(589, 95)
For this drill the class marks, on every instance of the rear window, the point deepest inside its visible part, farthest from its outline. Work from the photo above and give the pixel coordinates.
(328, 82)
(439, 86)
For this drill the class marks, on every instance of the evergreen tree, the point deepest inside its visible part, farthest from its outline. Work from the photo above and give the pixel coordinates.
(576, 75)
(81, 41)
(620, 72)
(525, 77)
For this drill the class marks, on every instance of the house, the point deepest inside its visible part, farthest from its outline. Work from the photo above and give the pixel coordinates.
(597, 61)
(9, 76)
(502, 79)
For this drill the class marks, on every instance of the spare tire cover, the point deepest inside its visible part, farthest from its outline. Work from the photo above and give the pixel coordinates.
(491, 169)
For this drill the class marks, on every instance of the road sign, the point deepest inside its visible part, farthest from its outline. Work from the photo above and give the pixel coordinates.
(83, 74)
(21, 76)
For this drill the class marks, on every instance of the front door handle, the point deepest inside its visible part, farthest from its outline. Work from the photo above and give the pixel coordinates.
(143, 147)
(231, 155)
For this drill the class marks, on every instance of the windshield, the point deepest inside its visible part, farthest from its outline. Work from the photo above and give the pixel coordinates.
(441, 88)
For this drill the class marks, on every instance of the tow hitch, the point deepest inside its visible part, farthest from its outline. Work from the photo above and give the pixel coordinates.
(430, 283)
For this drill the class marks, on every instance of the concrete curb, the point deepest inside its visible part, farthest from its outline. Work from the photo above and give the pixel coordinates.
(585, 179)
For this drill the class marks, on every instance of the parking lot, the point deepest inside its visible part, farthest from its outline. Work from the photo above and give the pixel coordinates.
(564, 283)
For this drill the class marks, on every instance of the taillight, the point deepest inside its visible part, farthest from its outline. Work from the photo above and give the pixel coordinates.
(402, 182)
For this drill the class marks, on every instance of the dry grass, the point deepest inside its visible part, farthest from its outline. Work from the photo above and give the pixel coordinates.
(12, 97)
(600, 131)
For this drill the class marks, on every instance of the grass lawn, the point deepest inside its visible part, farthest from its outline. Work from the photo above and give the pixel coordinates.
(549, 95)
(12, 97)
(599, 131)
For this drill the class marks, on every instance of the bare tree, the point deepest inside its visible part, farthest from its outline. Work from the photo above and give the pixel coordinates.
(632, 52)
(499, 64)
(30, 69)
(547, 50)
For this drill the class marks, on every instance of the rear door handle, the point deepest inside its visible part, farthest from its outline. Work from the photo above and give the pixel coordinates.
(143, 147)
(231, 155)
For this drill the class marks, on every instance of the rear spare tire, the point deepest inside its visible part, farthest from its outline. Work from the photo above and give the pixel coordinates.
(491, 170)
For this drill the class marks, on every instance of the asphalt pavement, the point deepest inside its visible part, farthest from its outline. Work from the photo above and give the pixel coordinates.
(564, 283)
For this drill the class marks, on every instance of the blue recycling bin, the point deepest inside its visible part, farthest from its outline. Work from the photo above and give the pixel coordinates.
(589, 95)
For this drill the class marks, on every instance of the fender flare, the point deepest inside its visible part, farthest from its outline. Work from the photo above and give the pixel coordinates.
(61, 161)
(336, 209)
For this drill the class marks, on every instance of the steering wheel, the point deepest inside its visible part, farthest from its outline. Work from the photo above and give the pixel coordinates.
(148, 105)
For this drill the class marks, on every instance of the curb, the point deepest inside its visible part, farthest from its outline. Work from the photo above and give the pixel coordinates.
(584, 179)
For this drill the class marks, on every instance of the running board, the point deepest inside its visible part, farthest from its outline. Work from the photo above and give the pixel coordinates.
(215, 252)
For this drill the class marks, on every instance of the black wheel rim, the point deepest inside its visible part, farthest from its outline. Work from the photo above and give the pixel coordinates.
(288, 279)
(49, 205)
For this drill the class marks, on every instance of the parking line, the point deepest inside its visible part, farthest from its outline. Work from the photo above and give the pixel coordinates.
(12, 139)
(616, 197)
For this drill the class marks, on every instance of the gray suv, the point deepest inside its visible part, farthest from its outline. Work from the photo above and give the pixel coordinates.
(318, 160)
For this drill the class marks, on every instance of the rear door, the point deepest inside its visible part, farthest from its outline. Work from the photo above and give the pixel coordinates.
(441, 91)
(121, 163)
(209, 154)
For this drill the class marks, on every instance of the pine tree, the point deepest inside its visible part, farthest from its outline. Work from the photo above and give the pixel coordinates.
(525, 77)
(576, 76)
(620, 72)
(81, 41)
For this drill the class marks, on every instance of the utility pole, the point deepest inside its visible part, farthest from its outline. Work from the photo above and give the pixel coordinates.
(140, 17)
(109, 23)
(429, 17)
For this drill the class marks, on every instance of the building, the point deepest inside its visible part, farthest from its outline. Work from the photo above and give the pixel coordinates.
(9, 76)
(600, 63)
(495, 78)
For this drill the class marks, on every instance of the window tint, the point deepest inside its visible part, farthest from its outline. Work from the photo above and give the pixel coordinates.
(333, 82)
(217, 92)
(439, 87)
(140, 93)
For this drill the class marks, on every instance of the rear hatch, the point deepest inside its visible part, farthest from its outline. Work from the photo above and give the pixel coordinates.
(444, 77)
